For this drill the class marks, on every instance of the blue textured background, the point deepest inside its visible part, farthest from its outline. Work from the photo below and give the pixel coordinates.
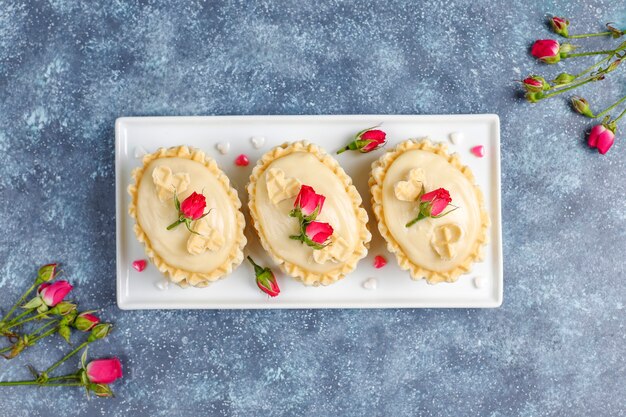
(557, 345)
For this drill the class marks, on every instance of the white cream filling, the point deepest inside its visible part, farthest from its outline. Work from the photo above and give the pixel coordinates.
(277, 226)
(415, 241)
(153, 216)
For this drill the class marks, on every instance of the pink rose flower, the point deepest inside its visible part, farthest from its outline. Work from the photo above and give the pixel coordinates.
(546, 50)
(438, 199)
(104, 371)
(318, 232)
(86, 321)
(53, 294)
(193, 206)
(308, 201)
(601, 137)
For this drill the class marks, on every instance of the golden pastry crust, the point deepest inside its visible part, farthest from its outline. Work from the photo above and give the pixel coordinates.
(291, 269)
(377, 177)
(177, 275)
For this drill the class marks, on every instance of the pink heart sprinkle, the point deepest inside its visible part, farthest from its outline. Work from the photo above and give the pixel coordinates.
(242, 161)
(379, 262)
(478, 151)
(140, 264)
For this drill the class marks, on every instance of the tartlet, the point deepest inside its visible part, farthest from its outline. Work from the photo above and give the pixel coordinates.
(274, 185)
(436, 249)
(213, 246)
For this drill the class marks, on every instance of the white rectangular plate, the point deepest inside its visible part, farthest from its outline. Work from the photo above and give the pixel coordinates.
(148, 289)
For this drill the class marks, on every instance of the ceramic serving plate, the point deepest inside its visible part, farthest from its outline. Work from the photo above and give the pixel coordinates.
(226, 137)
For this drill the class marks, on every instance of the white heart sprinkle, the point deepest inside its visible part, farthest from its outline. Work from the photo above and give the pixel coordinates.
(162, 284)
(370, 284)
(455, 138)
(257, 141)
(223, 147)
(140, 152)
(479, 281)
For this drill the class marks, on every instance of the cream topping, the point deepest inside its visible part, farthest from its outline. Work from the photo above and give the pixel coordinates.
(167, 183)
(277, 226)
(205, 238)
(436, 244)
(154, 215)
(280, 188)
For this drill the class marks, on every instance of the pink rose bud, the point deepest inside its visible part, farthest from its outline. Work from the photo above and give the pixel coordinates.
(559, 26)
(366, 140)
(104, 371)
(601, 137)
(318, 232)
(86, 321)
(265, 279)
(581, 106)
(535, 84)
(308, 202)
(47, 273)
(53, 294)
(546, 50)
(193, 206)
(437, 201)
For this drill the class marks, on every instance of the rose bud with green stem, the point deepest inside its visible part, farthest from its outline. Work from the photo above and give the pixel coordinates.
(559, 26)
(432, 205)
(367, 140)
(191, 209)
(535, 84)
(265, 279)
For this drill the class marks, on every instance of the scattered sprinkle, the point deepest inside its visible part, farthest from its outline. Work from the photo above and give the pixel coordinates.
(223, 147)
(140, 152)
(478, 151)
(379, 261)
(162, 284)
(257, 141)
(370, 284)
(140, 264)
(242, 160)
(479, 281)
(455, 138)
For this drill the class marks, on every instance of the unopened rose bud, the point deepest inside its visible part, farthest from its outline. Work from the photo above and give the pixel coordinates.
(534, 97)
(100, 331)
(546, 50)
(581, 106)
(535, 84)
(564, 78)
(566, 48)
(63, 308)
(47, 273)
(265, 279)
(104, 371)
(101, 390)
(86, 321)
(53, 294)
(69, 318)
(559, 26)
(65, 332)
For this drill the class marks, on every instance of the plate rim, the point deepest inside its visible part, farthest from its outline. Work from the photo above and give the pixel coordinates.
(124, 304)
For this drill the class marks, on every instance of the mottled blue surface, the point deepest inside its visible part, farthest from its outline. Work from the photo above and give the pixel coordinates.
(555, 347)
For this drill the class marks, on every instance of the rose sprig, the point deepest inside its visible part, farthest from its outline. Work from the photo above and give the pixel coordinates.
(190, 210)
(550, 51)
(265, 279)
(433, 205)
(307, 206)
(367, 140)
(59, 317)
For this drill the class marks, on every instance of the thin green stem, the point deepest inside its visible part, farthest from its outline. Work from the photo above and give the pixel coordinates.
(588, 35)
(611, 107)
(604, 52)
(18, 303)
(34, 382)
(59, 378)
(620, 115)
(37, 330)
(37, 316)
(66, 357)
(597, 64)
(19, 316)
(46, 334)
(557, 92)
